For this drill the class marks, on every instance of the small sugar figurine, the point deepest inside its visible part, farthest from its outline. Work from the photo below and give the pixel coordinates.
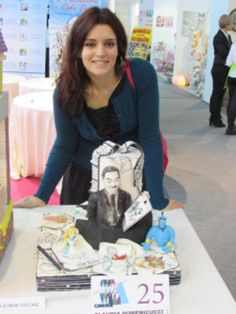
(162, 234)
(3, 48)
(71, 237)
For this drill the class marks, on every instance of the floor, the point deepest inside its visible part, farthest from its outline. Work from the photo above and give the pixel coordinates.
(202, 174)
(29, 186)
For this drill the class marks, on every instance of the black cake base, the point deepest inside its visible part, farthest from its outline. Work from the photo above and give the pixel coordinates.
(95, 234)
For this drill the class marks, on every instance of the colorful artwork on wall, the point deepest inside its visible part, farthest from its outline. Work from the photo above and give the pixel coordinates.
(164, 21)
(196, 30)
(163, 49)
(140, 42)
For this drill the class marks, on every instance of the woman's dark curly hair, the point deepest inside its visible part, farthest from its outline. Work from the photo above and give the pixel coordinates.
(73, 79)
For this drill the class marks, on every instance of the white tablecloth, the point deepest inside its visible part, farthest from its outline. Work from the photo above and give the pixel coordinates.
(36, 85)
(11, 85)
(32, 133)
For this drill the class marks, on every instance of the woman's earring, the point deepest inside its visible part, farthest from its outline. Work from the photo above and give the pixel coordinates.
(120, 60)
(120, 63)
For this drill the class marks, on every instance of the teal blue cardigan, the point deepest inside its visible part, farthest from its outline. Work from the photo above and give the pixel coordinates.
(138, 114)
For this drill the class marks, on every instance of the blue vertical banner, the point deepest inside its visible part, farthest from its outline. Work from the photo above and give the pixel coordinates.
(62, 15)
(23, 24)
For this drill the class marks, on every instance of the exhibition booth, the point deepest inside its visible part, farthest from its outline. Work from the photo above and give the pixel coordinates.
(182, 34)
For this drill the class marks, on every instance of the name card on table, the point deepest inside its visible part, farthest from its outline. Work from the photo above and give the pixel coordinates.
(27, 303)
(130, 294)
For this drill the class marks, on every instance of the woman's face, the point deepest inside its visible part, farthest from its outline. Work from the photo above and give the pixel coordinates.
(100, 51)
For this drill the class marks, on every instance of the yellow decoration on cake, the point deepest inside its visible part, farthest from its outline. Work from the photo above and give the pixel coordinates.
(169, 244)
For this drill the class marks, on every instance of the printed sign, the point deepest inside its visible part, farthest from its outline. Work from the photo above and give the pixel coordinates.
(22, 304)
(73, 7)
(23, 24)
(130, 294)
(146, 13)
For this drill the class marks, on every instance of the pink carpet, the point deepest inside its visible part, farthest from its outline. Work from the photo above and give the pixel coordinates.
(28, 186)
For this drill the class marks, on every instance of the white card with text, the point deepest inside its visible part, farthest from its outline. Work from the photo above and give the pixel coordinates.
(127, 294)
(22, 304)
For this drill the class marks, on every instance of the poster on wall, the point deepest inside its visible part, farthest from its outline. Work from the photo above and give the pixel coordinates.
(23, 25)
(164, 21)
(62, 15)
(163, 50)
(140, 42)
(192, 20)
(146, 13)
(195, 27)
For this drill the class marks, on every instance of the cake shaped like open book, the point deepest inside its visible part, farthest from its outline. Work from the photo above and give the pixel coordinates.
(112, 233)
(66, 261)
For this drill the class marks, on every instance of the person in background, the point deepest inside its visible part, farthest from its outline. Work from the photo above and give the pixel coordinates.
(231, 82)
(94, 102)
(221, 43)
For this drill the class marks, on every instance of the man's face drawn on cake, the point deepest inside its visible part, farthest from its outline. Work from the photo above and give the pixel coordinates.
(111, 180)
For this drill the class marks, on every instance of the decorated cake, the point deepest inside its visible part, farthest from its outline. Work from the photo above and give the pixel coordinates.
(117, 206)
(113, 233)
(6, 217)
(66, 261)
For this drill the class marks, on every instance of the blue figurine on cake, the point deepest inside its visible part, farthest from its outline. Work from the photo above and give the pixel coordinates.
(162, 234)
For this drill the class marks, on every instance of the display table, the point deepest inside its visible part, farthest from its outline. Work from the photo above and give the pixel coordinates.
(32, 133)
(11, 85)
(202, 290)
(45, 84)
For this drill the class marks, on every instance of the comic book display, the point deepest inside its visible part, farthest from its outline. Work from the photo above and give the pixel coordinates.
(140, 42)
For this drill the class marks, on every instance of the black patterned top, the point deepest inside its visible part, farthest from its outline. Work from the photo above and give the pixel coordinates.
(77, 180)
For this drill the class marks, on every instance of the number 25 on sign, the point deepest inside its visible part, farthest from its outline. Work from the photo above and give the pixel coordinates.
(127, 294)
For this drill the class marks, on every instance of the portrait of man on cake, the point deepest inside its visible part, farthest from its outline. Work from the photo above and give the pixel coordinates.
(107, 206)
(115, 194)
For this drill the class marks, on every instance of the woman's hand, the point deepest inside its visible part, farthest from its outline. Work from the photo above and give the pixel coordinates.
(173, 204)
(29, 202)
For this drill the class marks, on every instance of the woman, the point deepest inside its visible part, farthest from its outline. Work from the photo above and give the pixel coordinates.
(221, 42)
(93, 102)
(231, 80)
